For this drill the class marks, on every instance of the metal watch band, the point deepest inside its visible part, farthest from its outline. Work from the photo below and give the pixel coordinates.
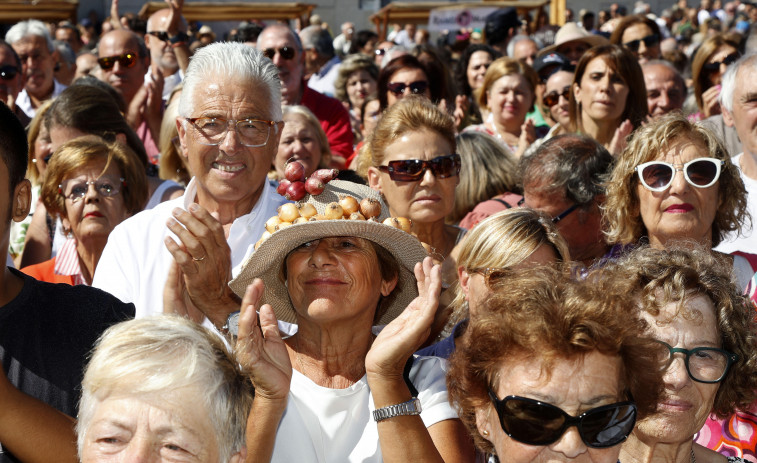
(411, 407)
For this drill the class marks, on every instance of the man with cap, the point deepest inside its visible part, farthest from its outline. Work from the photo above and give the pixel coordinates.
(501, 25)
(573, 41)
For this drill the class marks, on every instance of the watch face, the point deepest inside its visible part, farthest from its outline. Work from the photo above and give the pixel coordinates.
(233, 323)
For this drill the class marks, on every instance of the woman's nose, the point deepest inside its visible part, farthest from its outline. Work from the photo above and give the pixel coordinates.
(321, 254)
(676, 376)
(679, 184)
(570, 444)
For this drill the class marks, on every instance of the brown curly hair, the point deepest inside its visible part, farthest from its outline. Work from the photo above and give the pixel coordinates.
(659, 277)
(545, 314)
(623, 222)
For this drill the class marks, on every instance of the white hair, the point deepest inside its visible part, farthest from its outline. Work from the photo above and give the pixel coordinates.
(231, 61)
(518, 38)
(24, 29)
(157, 355)
(728, 83)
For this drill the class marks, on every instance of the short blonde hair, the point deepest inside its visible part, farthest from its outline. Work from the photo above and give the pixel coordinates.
(651, 141)
(172, 165)
(157, 355)
(506, 66)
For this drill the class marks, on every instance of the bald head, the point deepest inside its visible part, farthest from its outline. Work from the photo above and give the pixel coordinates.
(161, 52)
(275, 38)
(128, 65)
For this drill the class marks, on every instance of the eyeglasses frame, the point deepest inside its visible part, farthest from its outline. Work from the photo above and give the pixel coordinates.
(719, 163)
(730, 359)
(193, 121)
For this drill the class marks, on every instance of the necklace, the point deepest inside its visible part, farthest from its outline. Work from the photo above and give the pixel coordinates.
(693, 458)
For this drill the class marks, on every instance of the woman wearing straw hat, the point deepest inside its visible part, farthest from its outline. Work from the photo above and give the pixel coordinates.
(334, 391)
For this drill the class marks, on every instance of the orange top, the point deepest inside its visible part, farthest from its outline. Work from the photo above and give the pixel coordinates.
(45, 271)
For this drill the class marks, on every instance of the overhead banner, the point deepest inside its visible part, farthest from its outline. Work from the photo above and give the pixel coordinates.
(442, 19)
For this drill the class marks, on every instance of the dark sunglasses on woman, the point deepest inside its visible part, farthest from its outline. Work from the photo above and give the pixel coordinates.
(286, 53)
(538, 423)
(126, 60)
(8, 72)
(715, 66)
(416, 88)
(412, 170)
(659, 175)
(552, 98)
(649, 41)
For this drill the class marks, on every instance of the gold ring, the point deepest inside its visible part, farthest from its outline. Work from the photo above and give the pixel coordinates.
(199, 260)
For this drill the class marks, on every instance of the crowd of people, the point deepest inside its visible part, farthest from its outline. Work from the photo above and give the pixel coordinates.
(543, 247)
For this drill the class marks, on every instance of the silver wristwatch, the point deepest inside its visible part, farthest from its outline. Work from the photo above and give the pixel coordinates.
(411, 407)
(232, 324)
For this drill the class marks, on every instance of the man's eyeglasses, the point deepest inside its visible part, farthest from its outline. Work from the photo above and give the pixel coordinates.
(8, 72)
(703, 364)
(416, 88)
(126, 60)
(251, 132)
(715, 65)
(160, 35)
(412, 170)
(649, 41)
(559, 216)
(552, 98)
(659, 175)
(539, 423)
(105, 186)
(286, 53)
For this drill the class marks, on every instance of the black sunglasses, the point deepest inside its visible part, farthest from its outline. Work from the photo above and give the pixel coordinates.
(286, 52)
(538, 423)
(160, 35)
(125, 60)
(416, 88)
(649, 41)
(552, 98)
(412, 170)
(715, 66)
(8, 72)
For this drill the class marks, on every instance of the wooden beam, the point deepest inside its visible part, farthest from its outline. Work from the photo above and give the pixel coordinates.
(12, 11)
(236, 11)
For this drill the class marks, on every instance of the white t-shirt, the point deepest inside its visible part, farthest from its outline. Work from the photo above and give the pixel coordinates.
(135, 262)
(336, 425)
(747, 241)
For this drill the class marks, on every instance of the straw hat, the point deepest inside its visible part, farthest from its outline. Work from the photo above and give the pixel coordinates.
(571, 32)
(267, 262)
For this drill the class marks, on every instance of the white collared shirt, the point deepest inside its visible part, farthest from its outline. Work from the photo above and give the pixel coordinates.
(24, 102)
(135, 263)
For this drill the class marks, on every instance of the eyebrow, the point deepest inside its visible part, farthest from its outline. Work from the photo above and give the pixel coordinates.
(748, 96)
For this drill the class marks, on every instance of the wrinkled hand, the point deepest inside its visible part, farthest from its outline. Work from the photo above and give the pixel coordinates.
(710, 101)
(620, 138)
(175, 297)
(406, 333)
(461, 109)
(260, 349)
(527, 136)
(204, 258)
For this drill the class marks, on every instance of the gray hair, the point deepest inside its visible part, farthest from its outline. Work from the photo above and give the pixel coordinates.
(230, 60)
(29, 28)
(318, 38)
(728, 83)
(157, 355)
(518, 38)
(65, 51)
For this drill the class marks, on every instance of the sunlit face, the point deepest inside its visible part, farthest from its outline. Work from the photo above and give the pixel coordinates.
(687, 403)
(637, 32)
(406, 76)
(427, 200)
(9, 89)
(290, 70)
(171, 428)
(602, 92)
(573, 50)
(682, 212)
(744, 114)
(509, 99)
(360, 85)
(477, 65)
(161, 51)
(94, 216)
(557, 84)
(299, 142)
(334, 280)
(370, 118)
(127, 80)
(229, 173)
(575, 385)
(714, 77)
(525, 51)
(86, 64)
(664, 91)
(38, 65)
(42, 149)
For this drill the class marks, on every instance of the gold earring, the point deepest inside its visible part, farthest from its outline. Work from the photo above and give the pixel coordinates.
(485, 433)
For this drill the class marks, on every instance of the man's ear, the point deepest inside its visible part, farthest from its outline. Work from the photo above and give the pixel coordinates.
(464, 278)
(727, 117)
(22, 200)
(182, 137)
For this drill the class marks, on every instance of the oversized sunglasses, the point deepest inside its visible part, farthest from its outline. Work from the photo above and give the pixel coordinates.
(552, 98)
(8, 72)
(412, 170)
(286, 53)
(538, 423)
(416, 88)
(715, 66)
(659, 175)
(126, 60)
(649, 41)
(160, 35)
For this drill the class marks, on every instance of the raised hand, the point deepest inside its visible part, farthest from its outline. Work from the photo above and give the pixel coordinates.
(620, 138)
(260, 349)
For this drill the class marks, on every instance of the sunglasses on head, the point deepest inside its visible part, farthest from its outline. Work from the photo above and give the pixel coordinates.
(286, 53)
(538, 423)
(416, 88)
(700, 173)
(8, 72)
(649, 41)
(412, 170)
(552, 98)
(160, 35)
(715, 66)
(126, 60)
